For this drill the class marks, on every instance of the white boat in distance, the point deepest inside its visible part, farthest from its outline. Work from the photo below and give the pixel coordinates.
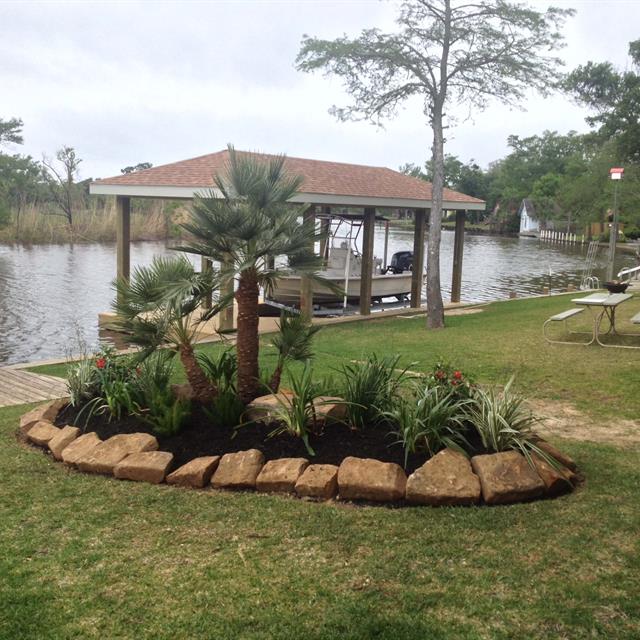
(343, 271)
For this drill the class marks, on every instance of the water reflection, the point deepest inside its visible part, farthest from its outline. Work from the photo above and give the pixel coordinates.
(51, 295)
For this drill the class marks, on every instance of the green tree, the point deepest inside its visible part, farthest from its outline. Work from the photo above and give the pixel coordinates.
(11, 131)
(614, 96)
(244, 226)
(141, 166)
(444, 52)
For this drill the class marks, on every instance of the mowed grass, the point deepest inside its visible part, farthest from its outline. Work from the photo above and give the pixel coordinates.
(91, 557)
(504, 340)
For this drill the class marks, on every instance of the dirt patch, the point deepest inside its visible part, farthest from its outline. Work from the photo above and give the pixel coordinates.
(563, 420)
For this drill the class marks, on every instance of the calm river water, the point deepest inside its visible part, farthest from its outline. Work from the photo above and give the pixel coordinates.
(50, 295)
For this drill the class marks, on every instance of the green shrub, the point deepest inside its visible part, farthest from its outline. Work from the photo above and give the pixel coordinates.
(504, 424)
(165, 413)
(82, 381)
(429, 419)
(154, 402)
(370, 389)
(221, 370)
(297, 415)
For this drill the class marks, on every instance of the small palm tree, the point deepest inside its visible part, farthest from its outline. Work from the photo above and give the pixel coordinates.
(293, 342)
(162, 305)
(244, 227)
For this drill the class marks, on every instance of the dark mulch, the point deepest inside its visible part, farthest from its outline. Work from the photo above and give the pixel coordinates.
(200, 438)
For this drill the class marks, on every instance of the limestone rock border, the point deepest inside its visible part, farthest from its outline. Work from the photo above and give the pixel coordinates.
(448, 478)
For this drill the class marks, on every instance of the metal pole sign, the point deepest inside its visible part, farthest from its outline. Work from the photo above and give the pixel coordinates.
(616, 174)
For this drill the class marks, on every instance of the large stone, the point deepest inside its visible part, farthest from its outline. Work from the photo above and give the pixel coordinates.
(47, 412)
(238, 470)
(330, 409)
(144, 466)
(445, 479)
(507, 477)
(556, 481)
(318, 481)
(80, 448)
(109, 453)
(561, 457)
(62, 440)
(42, 432)
(266, 408)
(196, 473)
(280, 476)
(366, 479)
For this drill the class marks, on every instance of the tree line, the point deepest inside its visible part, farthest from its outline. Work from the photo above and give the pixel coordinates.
(565, 176)
(52, 185)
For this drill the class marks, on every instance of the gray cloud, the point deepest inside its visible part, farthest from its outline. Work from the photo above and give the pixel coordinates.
(126, 82)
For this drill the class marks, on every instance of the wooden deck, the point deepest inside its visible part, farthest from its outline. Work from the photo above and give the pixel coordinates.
(20, 387)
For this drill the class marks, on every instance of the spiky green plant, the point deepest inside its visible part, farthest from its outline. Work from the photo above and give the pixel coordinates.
(503, 423)
(370, 388)
(293, 342)
(162, 304)
(296, 414)
(428, 420)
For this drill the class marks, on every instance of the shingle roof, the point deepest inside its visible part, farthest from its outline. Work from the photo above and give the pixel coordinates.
(320, 177)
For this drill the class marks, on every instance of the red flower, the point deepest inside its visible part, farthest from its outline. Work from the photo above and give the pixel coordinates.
(457, 375)
(440, 375)
(454, 383)
(138, 371)
(101, 363)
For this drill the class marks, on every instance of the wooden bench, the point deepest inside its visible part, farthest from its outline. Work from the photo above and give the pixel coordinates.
(563, 317)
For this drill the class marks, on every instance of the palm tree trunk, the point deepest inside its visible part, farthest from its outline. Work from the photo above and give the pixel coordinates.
(203, 390)
(247, 342)
(274, 383)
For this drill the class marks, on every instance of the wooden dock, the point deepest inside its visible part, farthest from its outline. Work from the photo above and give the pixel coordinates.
(21, 387)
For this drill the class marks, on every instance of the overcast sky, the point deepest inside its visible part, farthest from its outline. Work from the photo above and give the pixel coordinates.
(129, 82)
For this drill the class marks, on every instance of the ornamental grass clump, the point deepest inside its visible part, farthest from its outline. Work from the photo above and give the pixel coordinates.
(429, 419)
(296, 414)
(370, 389)
(503, 423)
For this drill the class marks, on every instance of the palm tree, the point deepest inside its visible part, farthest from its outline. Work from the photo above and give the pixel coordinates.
(162, 304)
(244, 226)
(293, 342)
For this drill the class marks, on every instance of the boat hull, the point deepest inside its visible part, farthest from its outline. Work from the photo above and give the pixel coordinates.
(287, 289)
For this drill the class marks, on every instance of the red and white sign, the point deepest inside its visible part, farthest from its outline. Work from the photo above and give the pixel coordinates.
(616, 173)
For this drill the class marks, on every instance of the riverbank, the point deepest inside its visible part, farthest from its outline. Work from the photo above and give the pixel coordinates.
(469, 228)
(33, 226)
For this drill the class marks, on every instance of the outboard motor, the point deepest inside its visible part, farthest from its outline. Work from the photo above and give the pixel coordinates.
(401, 261)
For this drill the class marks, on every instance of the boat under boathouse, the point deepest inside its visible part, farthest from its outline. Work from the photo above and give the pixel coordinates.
(335, 193)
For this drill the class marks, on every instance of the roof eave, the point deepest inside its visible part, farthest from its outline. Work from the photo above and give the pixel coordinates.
(187, 193)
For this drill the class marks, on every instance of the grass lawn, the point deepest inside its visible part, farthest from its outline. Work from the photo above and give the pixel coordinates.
(91, 557)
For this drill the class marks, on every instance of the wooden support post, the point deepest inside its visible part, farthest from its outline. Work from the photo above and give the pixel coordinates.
(458, 249)
(420, 224)
(123, 237)
(366, 271)
(225, 322)
(306, 286)
(206, 265)
(325, 228)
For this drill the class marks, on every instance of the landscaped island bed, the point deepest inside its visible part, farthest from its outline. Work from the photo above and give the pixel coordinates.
(88, 556)
(446, 478)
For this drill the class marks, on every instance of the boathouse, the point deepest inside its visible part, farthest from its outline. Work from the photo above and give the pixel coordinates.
(326, 186)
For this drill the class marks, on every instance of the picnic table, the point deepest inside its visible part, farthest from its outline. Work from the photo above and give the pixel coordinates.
(601, 306)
